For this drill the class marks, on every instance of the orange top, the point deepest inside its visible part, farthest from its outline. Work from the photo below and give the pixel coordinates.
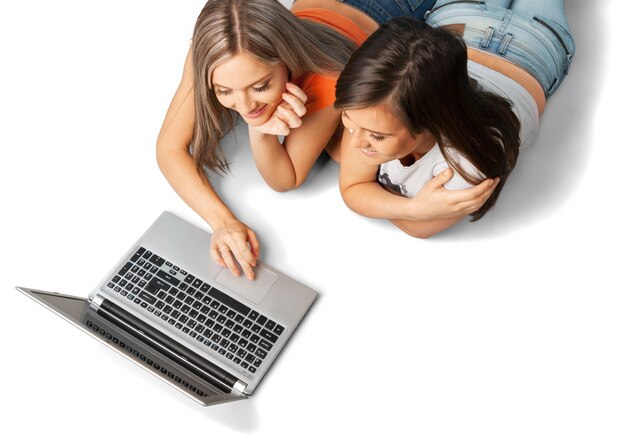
(320, 89)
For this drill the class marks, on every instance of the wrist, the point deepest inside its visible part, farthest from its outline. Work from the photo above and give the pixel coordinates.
(219, 220)
(256, 135)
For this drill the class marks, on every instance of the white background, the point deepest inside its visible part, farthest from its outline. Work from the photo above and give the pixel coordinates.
(510, 327)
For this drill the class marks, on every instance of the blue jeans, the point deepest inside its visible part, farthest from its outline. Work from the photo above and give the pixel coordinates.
(532, 34)
(384, 10)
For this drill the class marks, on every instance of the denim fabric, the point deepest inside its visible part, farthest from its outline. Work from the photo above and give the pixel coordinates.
(384, 10)
(532, 34)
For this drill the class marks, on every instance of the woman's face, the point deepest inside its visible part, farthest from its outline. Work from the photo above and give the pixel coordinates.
(380, 136)
(250, 87)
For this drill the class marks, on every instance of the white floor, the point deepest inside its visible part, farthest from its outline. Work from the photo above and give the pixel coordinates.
(510, 327)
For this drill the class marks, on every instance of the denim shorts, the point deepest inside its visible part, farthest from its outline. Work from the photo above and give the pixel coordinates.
(532, 34)
(384, 10)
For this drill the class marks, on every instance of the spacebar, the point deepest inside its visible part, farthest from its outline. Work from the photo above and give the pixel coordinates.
(230, 302)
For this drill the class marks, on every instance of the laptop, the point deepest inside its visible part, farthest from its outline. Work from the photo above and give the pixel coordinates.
(169, 308)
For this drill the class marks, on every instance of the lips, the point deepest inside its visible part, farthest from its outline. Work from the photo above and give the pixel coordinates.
(257, 113)
(367, 152)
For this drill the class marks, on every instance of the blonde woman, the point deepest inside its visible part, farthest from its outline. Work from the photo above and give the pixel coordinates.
(276, 69)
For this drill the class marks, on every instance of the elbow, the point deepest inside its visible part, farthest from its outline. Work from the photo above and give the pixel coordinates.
(285, 186)
(160, 155)
(419, 234)
(419, 231)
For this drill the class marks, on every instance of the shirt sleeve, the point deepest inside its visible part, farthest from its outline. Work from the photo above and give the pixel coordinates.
(320, 91)
(457, 182)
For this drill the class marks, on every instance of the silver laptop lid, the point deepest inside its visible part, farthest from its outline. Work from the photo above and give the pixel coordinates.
(77, 311)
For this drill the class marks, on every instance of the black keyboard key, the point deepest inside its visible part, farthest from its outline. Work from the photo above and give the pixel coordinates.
(278, 329)
(265, 345)
(250, 358)
(167, 277)
(205, 287)
(125, 269)
(230, 302)
(252, 369)
(147, 297)
(156, 285)
(261, 353)
(269, 336)
(157, 260)
(270, 325)
(261, 320)
(253, 315)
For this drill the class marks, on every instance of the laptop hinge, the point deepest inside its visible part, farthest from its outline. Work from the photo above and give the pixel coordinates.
(166, 346)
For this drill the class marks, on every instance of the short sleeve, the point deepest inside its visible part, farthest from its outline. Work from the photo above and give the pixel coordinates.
(320, 91)
(458, 182)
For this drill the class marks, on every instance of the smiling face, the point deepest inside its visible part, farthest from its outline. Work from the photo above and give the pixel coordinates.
(381, 137)
(250, 87)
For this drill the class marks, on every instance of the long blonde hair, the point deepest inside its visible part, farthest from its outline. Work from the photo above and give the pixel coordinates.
(266, 30)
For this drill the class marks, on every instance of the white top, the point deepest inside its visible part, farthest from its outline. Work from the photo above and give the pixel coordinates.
(408, 180)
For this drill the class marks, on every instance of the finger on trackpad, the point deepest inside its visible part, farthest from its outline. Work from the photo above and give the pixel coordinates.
(253, 290)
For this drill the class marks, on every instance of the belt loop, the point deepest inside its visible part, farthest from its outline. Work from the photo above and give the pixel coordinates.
(504, 44)
(487, 39)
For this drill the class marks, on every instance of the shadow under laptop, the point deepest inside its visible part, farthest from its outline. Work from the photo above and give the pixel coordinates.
(241, 416)
(549, 171)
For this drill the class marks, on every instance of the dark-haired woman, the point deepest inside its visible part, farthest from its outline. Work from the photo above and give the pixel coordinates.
(449, 101)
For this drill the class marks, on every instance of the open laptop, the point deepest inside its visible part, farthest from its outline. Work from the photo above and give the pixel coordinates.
(169, 308)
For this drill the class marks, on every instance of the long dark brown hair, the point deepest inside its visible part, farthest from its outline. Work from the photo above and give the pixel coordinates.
(421, 73)
(266, 30)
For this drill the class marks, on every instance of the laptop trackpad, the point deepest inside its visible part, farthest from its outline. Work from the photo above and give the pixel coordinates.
(253, 290)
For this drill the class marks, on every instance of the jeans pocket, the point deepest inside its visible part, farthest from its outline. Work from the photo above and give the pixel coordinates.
(563, 37)
(454, 2)
(414, 4)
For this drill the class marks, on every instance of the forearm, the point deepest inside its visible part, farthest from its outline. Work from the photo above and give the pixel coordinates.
(273, 161)
(179, 169)
(371, 200)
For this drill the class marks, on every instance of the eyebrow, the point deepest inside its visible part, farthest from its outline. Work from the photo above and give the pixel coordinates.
(373, 132)
(267, 76)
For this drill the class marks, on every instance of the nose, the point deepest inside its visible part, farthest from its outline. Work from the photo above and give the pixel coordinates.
(357, 138)
(243, 103)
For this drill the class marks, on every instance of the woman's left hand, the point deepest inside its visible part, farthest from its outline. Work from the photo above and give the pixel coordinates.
(288, 114)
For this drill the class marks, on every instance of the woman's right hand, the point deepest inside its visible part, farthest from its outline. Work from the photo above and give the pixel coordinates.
(434, 201)
(233, 242)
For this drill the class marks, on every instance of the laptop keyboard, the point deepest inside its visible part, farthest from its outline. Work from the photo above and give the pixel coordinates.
(197, 310)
